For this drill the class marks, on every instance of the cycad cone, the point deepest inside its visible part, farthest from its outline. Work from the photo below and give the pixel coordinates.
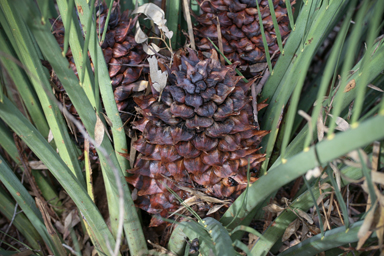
(201, 135)
(240, 29)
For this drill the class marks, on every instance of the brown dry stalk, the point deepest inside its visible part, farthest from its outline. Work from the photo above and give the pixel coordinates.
(28, 173)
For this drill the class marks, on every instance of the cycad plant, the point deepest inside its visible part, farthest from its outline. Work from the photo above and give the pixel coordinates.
(318, 190)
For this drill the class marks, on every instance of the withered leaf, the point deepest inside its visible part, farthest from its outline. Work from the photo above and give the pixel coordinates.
(291, 229)
(159, 78)
(99, 131)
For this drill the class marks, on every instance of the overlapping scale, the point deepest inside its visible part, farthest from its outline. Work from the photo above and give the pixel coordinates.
(240, 28)
(205, 148)
(124, 57)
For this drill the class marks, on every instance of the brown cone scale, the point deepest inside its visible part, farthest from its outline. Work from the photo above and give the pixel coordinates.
(195, 141)
(119, 48)
(240, 28)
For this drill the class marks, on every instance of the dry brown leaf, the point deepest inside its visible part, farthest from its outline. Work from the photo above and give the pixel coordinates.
(304, 215)
(215, 208)
(314, 229)
(59, 226)
(378, 177)
(37, 165)
(320, 127)
(46, 217)
(87, 249)
(362, 240)
(366, 226)
(204, 197)
(161, 249)
(337, 175)
(274, 208)
(291, 229)
(380, 226)
(189, 202)
(294, 242)
(375, 88)
(304, 231)
(342, 125)
(134, 194)
(252, 239)
(99, 131)
(375, 155)
(133, 151)
(67, 225)
(355, 156)
(321, 197)
(325, 186)
(351, 84)
(336, 221)
(109, 122)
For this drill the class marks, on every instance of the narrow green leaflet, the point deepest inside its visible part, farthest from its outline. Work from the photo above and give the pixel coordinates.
(327, 150)
(37, 143)
(332, 239)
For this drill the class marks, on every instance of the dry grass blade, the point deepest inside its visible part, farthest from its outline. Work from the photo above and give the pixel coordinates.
(187, 17)
(375, 88)
(365, 228)
(42, 205)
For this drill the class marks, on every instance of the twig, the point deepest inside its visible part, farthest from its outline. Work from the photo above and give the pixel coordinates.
(220, 40)
(10, 224)
(158, 54)
(129, 65)
(187, 17)
(28, 173)
(70, 249)
(13, 216)
(262, 82)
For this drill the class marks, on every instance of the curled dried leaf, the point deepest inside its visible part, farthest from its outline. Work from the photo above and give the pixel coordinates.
(342, 125)
(291, 229)
(157, 15)
(37, 165)
(140, 36)
(274, 208)
(159, 78)
(215, 208)
(304, 215)
(150, 49)
(375, 88)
